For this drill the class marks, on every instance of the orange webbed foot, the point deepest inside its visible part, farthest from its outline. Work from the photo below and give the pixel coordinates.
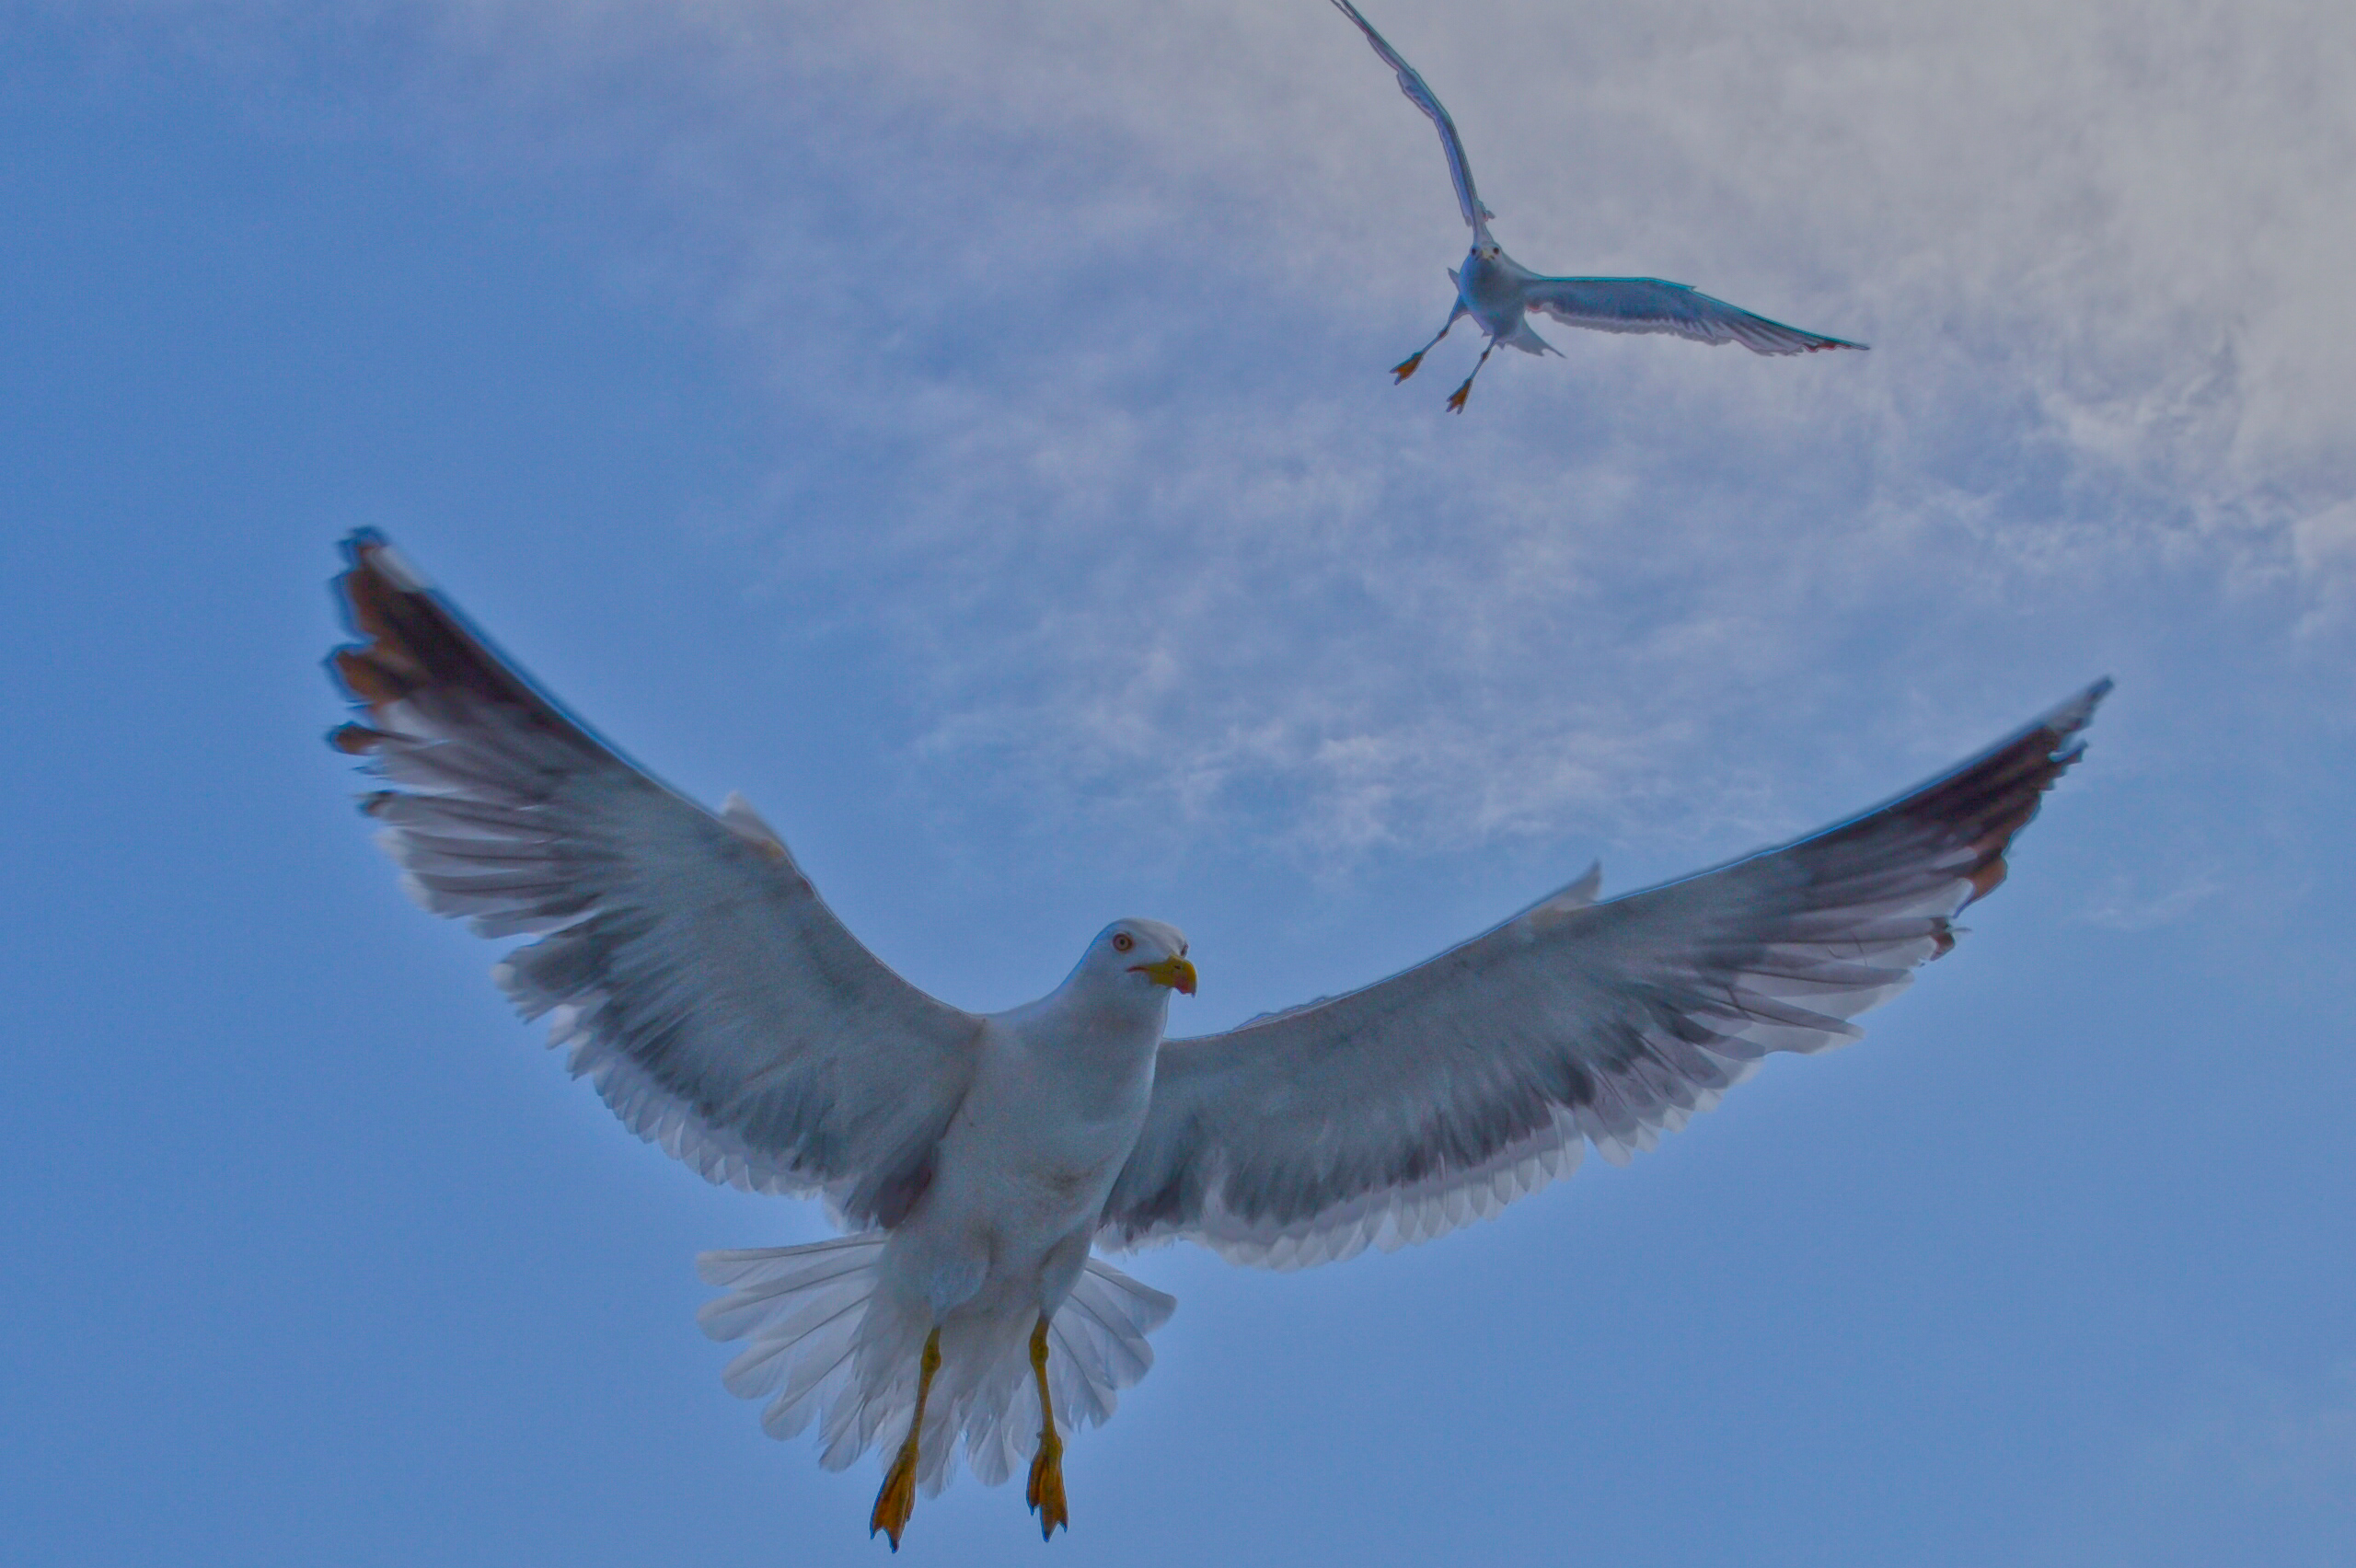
(1046, 1493)
(896, 1501)
(1406, 368)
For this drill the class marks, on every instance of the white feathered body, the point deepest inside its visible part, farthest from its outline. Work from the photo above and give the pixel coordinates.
(1494, 289)
(998, 1240)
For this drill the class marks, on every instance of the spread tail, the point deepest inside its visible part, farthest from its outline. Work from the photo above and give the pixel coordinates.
(822, 1345)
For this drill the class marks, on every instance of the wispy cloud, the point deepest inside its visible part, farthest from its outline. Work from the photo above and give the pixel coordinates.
(2126, 905)
(2258, 1471)
(1073, 320)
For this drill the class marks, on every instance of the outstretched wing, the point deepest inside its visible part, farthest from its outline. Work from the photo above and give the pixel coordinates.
(1651, 304)
(1411, 82)
(1438, 1096)
(716, 1003)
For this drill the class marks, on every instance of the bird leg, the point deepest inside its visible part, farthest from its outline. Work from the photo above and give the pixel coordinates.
(1045, 1493)
(1406, 368)
(1456, 398)
(898, 1498)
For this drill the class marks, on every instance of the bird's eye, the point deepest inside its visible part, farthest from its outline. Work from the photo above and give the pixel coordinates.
(1123, 941)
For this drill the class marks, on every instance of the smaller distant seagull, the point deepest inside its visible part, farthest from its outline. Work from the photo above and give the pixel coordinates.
(976, 1161)
(1499, 293)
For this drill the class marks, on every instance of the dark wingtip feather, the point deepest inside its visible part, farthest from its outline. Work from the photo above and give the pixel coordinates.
(356, 739)
(408, 641)
(2078, 712)
(2017, 774)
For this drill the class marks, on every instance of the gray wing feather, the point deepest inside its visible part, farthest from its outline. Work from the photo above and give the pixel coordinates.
(1653, 305)
(1411, 82)
(1438, 1096)
(719, 1007)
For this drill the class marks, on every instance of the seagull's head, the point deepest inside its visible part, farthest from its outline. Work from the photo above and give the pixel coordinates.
(1143, 955)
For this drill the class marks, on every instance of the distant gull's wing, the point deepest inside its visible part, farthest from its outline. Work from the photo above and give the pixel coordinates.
(717, 1003)
(1411, 82)
(1650, 304)
(1435, 1097)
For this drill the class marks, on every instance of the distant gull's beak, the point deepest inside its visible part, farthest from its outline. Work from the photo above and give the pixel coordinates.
(1173, 971)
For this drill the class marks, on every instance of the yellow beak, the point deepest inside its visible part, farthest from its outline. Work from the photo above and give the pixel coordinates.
(1173, 971)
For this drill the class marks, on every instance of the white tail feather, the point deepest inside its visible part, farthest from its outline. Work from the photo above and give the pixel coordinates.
(821, 1345)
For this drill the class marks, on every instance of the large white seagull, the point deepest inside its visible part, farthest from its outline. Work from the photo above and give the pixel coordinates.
(974, 1159)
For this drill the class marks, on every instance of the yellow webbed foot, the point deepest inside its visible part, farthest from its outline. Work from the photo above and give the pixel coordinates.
(897, 1500)
(1406, 368)
(1046, 1493)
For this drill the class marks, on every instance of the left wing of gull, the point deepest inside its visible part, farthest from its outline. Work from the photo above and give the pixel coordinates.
(1651, 304)
(1411, 82)
(718, 1005)
(1438, 1096)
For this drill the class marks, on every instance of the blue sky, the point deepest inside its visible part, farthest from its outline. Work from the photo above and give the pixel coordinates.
(963, 429)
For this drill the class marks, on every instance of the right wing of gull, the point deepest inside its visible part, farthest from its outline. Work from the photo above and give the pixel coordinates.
(1411, 82)
(718, 1005)
(1650, 304)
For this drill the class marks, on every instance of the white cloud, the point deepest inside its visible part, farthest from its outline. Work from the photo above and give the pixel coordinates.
(2325, 546)
(1074, 317)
